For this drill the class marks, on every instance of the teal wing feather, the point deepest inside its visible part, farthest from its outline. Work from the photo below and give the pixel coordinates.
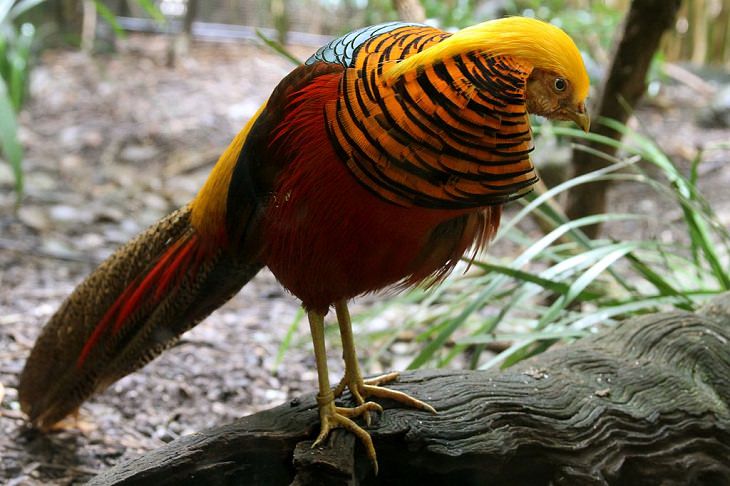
(342, 49)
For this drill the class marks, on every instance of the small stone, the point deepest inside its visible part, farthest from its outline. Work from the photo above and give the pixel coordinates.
(272, 395)
(109, 214)
(54, 246)
(6, 175)
(71, 162)
(70, 137)
(717, 113)
(139, 153)
(92, 138)
(91, 241)
(218, 408)
(40, 183)
(164, 434)
(67, 214)
(156, 202)
(33, 217)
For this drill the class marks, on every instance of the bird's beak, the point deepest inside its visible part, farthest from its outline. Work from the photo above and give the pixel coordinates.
(580, 116)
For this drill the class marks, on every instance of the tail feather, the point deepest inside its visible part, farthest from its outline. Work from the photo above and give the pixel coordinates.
(151, 287)
(131, 308)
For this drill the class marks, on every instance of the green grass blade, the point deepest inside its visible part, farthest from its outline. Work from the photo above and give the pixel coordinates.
(11, 148)
(527, 277)
(5, 6)
(546, 334)
(286, 342)
(110, 18)
(16, 81)
(278, 48)
(603, 314)
(694, 172)
(152, 10)
(615, 252)
(451, 325)
(22, 7)
(551, 193)
(661, 284)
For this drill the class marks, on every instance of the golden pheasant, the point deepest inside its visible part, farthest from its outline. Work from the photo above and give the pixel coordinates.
(377, 163)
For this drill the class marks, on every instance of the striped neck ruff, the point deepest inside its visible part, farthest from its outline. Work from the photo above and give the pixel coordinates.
(452, 135)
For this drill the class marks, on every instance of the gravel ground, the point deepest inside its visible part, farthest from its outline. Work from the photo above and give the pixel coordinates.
(116, 142)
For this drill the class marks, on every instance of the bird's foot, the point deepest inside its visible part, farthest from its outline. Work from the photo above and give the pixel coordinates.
(361, 389)
(332, 417)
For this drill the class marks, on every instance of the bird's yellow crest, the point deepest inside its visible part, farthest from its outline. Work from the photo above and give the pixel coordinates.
(533, 41)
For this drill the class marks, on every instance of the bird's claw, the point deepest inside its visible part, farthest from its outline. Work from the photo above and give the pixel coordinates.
(332, 417)
(398, 396)
(361, 389)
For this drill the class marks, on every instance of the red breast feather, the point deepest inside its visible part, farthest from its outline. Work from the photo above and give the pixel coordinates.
(328, 238)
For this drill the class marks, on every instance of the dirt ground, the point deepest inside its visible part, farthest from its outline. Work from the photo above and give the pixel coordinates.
(116, 142)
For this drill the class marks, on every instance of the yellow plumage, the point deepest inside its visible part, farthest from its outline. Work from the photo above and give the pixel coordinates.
(538, 43)
(209, 206)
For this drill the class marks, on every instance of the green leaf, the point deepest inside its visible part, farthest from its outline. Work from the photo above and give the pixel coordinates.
(277, 47)
(286, 342)
(534, 347)
(551, 193)
(547, 334)
(5, 6)
(605, 313)
(613, 253)
(110, 18)
(664, 287)
(522, 276)
(11, 148)
(152, 10)
(451, 325)
(23, 6)
(17, 79)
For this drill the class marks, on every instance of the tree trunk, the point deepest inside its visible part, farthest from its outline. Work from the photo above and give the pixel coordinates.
(69, 18)
(623, 86)
(281, 20)
(180, 44)
(699, 27)
(646, 402)
(410, 10)
(88, 29)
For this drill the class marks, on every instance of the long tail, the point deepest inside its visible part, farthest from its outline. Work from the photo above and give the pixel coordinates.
(131, 308)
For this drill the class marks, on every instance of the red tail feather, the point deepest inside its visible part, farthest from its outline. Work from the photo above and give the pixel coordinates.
(180, 259)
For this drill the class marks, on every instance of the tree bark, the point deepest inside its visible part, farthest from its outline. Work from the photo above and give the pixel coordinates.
(180, 42)
(410, 10)
(280, 17)
(88, 29)
(623, 86)
(646, 402)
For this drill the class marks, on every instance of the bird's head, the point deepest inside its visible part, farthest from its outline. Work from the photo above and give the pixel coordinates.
(554, 96)
(558, 85)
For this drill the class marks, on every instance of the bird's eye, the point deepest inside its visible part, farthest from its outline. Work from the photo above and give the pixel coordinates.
(560, 85)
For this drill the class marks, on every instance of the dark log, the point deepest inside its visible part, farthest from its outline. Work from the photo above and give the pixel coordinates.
(623, 86)
(647, 402)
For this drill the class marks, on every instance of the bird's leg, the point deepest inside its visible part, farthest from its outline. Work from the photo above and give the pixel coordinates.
(331, 416)
(353, 380)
